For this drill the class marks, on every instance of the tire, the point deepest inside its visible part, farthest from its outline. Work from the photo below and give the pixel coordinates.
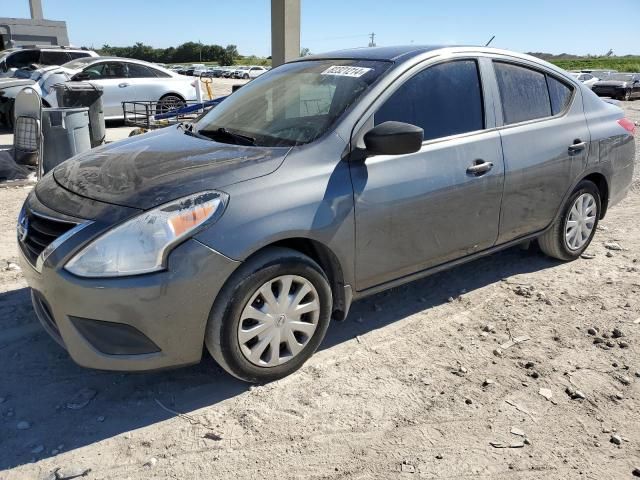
(169, 102)
(627, 96)
(245, 76)
(242, 292)
(556, 241)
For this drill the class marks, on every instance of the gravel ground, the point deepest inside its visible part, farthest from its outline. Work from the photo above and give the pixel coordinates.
(413, 383)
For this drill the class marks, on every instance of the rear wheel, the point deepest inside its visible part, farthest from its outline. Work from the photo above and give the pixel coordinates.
(270, 317)
(574, 229)
(168, 103)
(627, 95)
(246, 76)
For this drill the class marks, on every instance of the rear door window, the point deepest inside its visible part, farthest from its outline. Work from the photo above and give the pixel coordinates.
(559, 93)
(523, 92)
(444, 100)
(139, 71)
(48, 57)
(75, 55)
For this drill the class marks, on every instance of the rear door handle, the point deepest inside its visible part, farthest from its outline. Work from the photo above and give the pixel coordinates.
(122, 85)
(577, 147)
(479, 167)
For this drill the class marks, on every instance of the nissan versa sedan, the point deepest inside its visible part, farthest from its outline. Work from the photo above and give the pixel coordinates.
(327, 179)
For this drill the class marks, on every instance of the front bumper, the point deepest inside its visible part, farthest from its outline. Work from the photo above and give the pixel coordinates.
(144, 322)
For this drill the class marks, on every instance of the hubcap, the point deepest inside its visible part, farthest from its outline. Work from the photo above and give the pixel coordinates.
(279, 320)
(580, 222)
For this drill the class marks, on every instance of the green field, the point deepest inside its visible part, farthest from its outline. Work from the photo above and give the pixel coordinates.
(622, 64)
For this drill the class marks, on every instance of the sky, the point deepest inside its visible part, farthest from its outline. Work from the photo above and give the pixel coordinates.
(553, 26)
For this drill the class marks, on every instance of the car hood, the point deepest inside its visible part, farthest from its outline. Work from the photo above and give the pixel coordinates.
(148, 170)
(611, 83)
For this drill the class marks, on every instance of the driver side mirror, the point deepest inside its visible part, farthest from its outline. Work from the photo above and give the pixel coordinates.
(79, 77)
(393, 138)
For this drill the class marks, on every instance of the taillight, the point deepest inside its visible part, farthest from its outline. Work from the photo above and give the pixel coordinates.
(628, 125)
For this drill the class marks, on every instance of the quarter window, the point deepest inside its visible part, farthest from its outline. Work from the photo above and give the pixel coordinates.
(443, 100)
(559, 93)
(523, 92)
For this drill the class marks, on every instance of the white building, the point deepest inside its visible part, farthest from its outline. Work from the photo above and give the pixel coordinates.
(32, 31)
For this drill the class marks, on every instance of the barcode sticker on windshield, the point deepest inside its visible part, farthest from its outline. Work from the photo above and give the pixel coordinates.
(345, 71)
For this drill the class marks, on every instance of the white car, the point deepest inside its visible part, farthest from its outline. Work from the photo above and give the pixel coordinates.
(122, 80)
(585, 78)
(14, 59)
(249, 72)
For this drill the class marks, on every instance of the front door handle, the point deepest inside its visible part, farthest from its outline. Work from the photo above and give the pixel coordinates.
(577, 147)
(122, 85)
(479, 167)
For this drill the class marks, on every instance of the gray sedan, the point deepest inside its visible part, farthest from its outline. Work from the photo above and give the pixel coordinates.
(325, 180)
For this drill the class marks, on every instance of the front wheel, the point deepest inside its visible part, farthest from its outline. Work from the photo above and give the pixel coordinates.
(627, 95)
(245, 76)
(270, 317)
(573, 230)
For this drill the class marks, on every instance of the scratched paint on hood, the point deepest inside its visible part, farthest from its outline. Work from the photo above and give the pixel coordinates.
(155, 168)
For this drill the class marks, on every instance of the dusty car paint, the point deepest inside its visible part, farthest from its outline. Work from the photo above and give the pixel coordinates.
(379, 222)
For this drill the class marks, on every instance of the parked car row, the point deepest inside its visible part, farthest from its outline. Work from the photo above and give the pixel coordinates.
(199, 70)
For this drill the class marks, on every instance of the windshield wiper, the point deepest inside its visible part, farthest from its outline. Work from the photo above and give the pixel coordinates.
(224, 133)
(188, 130)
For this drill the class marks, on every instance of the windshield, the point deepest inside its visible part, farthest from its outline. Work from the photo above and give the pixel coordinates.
(79, 63)
(620, 77)
(293, 104)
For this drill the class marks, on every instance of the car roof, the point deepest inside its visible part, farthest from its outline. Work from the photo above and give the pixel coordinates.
(390, 54)
(123, 59)
(92, 60)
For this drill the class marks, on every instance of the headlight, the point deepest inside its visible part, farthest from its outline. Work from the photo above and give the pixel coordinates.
(141, 245)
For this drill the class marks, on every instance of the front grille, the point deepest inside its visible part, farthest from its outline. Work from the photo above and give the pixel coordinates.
(38, 231)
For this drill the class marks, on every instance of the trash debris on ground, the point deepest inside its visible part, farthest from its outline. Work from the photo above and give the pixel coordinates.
(514, 341)
(81, 399)
(546, 393)
(507, 445)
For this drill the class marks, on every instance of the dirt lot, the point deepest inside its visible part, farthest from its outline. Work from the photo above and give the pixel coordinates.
(410, 385)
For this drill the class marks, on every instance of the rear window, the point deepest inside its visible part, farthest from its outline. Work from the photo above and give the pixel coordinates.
(443, 100)
(523, 92)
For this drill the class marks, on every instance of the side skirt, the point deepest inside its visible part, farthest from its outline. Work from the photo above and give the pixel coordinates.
(445, 266)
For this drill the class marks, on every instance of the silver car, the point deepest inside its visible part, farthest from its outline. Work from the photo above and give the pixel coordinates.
(325, 180)
(122, 80)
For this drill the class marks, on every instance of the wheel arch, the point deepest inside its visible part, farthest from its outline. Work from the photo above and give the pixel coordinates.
(329, 263)
(603, 187)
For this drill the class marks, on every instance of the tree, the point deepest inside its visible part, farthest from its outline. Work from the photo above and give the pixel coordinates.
(305, 52)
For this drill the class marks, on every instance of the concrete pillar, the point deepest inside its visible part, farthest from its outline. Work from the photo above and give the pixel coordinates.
(285, 31)
(36, 9)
